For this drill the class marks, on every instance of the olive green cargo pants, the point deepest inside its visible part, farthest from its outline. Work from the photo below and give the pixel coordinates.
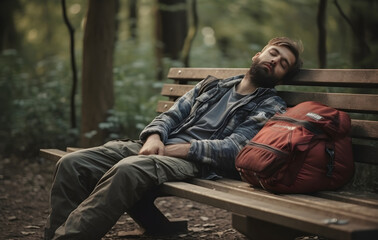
(92, 188)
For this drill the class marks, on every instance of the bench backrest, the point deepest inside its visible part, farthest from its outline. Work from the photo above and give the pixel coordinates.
(352, 90)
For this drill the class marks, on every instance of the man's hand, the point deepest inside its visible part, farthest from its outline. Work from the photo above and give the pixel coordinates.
(153, 146)
(177, 150)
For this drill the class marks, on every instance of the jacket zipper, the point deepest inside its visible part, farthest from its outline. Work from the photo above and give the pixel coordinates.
(233, 111)
(192, 114)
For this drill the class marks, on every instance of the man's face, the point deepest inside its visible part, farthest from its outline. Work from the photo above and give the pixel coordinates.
(271, 65)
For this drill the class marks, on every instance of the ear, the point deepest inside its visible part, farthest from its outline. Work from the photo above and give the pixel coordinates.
(256, 55)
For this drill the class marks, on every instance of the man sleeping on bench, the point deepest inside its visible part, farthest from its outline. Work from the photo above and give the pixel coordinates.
(199, 136)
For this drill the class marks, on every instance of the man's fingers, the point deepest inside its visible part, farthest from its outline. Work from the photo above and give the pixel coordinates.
(160, 151)
(152, 151)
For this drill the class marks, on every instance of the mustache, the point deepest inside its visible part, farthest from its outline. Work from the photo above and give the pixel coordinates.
(269, 65)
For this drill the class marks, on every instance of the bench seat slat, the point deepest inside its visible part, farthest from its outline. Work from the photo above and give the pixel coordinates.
(365, 154)
(197, 74)
(362, 198)
(298, 216)
(364, 129)
(356, 102)
(348, 209)
(367, 78)
(52, 154)
(337, 77)
(73, 149)
(163, 106)
(175, 90)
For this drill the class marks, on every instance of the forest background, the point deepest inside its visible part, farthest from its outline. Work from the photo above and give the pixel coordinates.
(124, 48)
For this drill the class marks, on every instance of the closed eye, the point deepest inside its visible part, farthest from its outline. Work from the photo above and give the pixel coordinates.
(274, 52)
(283, 61)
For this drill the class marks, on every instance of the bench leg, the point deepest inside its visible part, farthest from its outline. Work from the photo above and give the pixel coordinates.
(257, 229)
(152, 220)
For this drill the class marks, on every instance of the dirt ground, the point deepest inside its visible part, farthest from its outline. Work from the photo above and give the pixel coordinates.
(24, 189)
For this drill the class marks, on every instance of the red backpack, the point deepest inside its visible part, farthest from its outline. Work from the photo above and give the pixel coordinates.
(306, 149)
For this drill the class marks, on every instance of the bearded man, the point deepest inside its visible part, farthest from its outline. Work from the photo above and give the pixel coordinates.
(199, 136)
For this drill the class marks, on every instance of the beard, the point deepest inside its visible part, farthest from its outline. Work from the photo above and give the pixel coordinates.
(260, 77)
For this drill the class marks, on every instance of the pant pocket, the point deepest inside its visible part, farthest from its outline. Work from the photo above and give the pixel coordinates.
(161, 175)
(177, 169)
(122, 148)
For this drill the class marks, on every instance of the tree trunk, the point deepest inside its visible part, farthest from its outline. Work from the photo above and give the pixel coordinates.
(71, 31)
(97, 85)
(171, 30)
(191, 33)
(361, 53)
(133, 18)
(322, 36)
(8, 35)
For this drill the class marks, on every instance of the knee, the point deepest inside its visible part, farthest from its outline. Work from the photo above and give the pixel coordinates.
(68, 164)
(132, 167)
(127, 165)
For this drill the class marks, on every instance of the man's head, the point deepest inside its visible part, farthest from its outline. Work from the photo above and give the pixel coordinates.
(278, 61)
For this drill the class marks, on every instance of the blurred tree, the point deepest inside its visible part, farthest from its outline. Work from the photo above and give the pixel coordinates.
(71, 31)
(362, 54)
(170, 30)
(322, 33)
(364, 30)
(193, 27)
(8, 33)
(97, 85)
(133, 18)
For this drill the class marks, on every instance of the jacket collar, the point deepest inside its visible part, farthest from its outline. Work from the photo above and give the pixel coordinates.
(232, 81)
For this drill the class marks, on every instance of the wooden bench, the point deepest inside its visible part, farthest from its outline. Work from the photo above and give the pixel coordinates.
(350, 213)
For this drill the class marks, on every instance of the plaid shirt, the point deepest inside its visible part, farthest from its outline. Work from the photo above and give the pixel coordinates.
(242, 123)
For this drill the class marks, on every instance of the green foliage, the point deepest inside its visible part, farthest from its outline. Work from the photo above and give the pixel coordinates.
(136, 90)
(33, 105)
(35, 80)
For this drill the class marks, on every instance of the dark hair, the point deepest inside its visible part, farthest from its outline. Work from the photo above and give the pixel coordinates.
(295, 47)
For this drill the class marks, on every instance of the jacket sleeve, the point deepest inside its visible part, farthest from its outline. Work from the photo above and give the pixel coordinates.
(165, 122)
(221, 154)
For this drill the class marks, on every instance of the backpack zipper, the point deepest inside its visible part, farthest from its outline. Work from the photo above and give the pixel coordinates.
(269, 148)
(306, 124)
(269, 171)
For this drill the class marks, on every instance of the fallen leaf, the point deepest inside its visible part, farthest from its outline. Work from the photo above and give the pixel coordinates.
(32, 227)
(196, 229)
(209, 225)
(133, 233)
